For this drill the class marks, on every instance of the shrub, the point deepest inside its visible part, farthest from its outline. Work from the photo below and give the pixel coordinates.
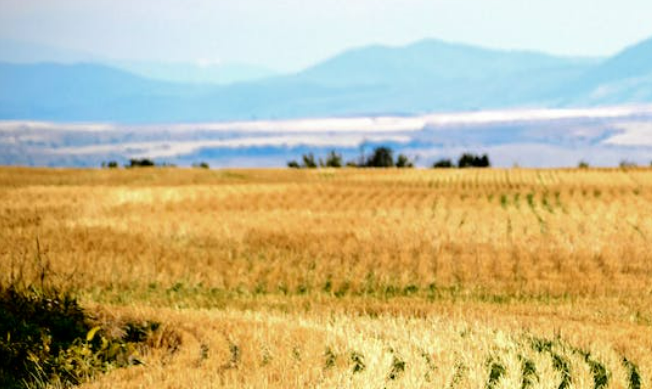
(201, 165)
(48, 338)
(334, 159)
(583, 165)
(309, 161)
(381, 157)
(144, 162)
(404, 162)
(35, 329)
(443, 164)
(484, 161)
(625, 164)
(472, 160)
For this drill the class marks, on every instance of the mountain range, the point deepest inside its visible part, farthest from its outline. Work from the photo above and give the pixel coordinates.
(427, 76)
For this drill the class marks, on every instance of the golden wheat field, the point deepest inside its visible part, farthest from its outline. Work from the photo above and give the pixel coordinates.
(451, 278)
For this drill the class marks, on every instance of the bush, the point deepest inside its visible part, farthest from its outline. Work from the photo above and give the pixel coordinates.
(35, 329)
(334, 159)
(404, 162)
(472, 160)
(466, 160)
(381, 157)
(309, 161)
(201, 165)
(110, 165)
(583, 165)
(144, 162)
(47, 338)
(443, 164)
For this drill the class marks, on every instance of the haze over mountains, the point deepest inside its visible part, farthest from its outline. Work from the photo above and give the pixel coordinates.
(201, 72)
(198, 72)
(424, 77)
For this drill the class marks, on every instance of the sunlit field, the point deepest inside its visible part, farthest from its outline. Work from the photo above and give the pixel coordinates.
(351, 278)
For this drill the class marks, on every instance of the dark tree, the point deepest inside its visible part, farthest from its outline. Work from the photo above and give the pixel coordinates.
(404, 162)
(484, 161)
(309, 161)
(472, 160)
(443, 164)
(143, 162)
(466, 160)
(381, 157)
(334, 159)
(294, 165)
(626, 164)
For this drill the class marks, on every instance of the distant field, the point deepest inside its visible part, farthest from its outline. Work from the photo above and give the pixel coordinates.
(353, 278)
(602, 137)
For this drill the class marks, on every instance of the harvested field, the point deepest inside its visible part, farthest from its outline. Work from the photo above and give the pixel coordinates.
(351, 278)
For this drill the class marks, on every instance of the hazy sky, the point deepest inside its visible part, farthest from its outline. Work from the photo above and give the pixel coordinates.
(291, 34)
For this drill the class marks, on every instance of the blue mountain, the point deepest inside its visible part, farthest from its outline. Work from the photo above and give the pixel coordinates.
(427, 76)
(432, 75)
(81, 92)
(633, 62)
(433, 61)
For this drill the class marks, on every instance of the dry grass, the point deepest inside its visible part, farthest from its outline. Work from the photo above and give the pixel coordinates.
(278, 278)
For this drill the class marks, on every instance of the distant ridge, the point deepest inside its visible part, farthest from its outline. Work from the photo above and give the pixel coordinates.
(429, 59)
(634, 61)
(623, 78)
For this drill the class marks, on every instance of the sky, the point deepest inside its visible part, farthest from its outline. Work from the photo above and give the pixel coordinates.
(289, 35)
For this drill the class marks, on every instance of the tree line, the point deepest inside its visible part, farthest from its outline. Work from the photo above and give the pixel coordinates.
(464, 161)
(146, 162)
(383, 157)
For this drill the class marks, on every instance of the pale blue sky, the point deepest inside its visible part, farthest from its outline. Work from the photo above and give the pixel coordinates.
(291, 34)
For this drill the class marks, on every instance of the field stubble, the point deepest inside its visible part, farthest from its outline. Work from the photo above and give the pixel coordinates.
(355, 278)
